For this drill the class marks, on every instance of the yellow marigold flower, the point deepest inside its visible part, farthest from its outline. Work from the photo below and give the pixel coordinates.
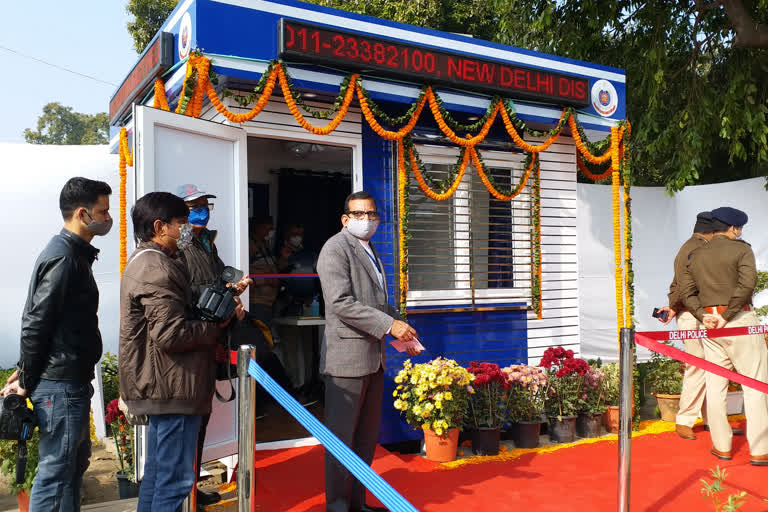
(439, 404)
(448, 395)
(439, 431)
(398, 379)
(394, 393)
(426, 425)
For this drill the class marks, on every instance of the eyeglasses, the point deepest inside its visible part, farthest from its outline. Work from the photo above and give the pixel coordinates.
(359, 215)
(209, 206)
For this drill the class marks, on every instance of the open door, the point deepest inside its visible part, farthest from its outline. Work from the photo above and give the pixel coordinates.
(172, 150)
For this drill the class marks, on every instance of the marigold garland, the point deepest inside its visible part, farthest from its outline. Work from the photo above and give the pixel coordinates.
(126, 159)
(198, 84)
(161, 100)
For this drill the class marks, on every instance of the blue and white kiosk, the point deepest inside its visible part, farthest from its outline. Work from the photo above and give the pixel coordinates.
(469, 257)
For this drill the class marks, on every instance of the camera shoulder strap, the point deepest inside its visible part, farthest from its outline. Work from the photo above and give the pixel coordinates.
(228, 364)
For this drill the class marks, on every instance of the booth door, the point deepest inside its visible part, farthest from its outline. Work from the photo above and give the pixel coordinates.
(173, 150)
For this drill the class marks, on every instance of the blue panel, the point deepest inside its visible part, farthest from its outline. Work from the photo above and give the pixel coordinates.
(499, 337)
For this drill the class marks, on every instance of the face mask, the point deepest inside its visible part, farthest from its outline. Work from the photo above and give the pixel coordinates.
(363, 229)
(185, 240)
(296, 242)
(199, 216)
(99, 228)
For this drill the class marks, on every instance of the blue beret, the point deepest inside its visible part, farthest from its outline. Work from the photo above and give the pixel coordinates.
(730, 216)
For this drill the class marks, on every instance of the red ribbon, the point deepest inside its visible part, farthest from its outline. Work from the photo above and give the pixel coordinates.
(647, 340)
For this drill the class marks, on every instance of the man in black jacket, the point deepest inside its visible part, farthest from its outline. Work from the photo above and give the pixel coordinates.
(61, 344)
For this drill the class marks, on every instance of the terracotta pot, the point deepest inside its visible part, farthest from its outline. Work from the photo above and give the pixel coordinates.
(669, 405)
(22, 499)
(611, 419)
(486, 441)
(562, 430)
(527, 434)
(589, 425)
(439, 448)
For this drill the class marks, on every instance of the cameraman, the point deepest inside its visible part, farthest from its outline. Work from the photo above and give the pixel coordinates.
(204, 265)
(61, 344)
(166, 354)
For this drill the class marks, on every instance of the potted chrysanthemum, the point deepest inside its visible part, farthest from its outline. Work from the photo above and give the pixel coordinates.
(433, 396)
(527, 388)
(488, 406)
(565, 375)
(591, 404)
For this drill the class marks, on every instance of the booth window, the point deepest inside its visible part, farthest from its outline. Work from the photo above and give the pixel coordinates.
(470, 250)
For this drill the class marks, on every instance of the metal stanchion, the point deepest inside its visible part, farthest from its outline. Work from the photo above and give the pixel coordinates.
(246, 427)
(626, 369)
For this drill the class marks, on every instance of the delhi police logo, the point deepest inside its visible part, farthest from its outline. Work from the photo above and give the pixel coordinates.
(185, 35)
(604, 98)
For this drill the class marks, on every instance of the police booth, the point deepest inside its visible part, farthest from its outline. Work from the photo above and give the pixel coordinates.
(485, 266)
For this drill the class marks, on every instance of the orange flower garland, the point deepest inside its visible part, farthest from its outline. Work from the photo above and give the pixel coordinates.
(617, 248)
(161, 100)
(257, 108)
(616, 154)
(340, 115)
(589, 174)
(423, 184)
(469, 141)
(378, 129)
(126, 159)
(583, 148)
(402, 183)
(495, 193)
(519, 140)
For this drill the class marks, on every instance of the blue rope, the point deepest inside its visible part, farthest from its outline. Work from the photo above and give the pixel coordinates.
(391, 499)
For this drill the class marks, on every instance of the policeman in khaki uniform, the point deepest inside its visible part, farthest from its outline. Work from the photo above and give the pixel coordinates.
(717, 289)
(694, 389)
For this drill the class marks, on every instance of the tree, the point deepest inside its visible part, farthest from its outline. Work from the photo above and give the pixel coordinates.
(148, 17)
(60, 125)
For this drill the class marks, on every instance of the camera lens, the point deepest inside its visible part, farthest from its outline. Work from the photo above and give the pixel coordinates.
(12, 402)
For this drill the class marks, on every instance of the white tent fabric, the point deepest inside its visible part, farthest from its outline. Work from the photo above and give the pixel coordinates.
(660, 225)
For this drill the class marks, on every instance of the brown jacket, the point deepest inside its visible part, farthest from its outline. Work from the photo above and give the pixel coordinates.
(166, 356)
(681, 263)
(720, 273)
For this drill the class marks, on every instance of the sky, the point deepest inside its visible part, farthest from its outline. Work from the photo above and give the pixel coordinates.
(86, 36)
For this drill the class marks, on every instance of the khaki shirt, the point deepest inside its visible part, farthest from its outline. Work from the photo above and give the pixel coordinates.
(720, 273)
(681, 263)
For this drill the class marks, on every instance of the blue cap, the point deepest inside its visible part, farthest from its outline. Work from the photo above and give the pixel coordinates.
(190, 192)
(730, 216)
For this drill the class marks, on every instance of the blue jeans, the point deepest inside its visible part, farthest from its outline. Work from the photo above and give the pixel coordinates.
(63, 412)
(169, 471)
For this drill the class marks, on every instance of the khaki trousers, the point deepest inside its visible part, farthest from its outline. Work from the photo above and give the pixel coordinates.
(748, 356)
(692, 398)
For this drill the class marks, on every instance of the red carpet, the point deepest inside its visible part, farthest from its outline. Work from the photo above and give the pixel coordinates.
(666, 473)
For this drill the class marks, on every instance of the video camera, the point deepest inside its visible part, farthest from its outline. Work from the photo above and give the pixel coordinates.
(217, 302)
(17, 423)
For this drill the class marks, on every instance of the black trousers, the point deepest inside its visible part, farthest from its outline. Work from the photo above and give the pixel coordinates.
(353, 413)
(200, 442)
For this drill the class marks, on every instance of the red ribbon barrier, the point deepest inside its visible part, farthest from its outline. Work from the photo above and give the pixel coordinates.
(648, 340)
(279, 276)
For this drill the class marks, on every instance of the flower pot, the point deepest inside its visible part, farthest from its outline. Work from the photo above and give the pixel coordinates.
(486, 441)
(439, 448)
(527, 434)
(611, 419)
(589, 425)
(509, 433)
(735, 402)
(125, 488)
(668, 406)
(562, 430)
(22, 499)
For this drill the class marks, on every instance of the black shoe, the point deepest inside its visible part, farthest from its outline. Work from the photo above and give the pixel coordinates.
(368, 508)
(207, 498)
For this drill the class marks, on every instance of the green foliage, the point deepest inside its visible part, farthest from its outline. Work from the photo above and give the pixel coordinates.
(110, 378)
(713, 491)
(665, 375)
(148, 17)
(61, 125)
(612, 384)
(563, 395)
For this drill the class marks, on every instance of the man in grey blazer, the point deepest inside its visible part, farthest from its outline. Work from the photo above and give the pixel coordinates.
(358, 318)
